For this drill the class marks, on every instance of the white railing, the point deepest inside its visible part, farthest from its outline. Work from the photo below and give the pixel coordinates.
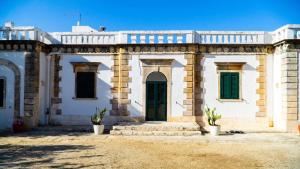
(159, 37)
(25, 33)
(89, 38)
(165, 37)
(151, 37)
(286, 32)
(223, 37)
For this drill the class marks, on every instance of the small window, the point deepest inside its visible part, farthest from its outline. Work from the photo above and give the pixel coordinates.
(2, 92)
(229, 85)
(85, 85)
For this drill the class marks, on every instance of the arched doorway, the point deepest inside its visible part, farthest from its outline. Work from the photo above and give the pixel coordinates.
(9, 93)
(156, 97)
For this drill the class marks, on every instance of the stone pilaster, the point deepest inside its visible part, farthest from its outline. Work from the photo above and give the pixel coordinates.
(31, 89)
(193, 78)
(55, 99)
(189, 102)
(120, 82)
(289, 83)
(261, 90)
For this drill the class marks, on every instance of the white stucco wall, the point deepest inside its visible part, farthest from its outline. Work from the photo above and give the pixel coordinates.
(277, 98)
(232, 109)
(76, 111)
(18, 58)
(177, 84)
(42, 89)
(7, 111)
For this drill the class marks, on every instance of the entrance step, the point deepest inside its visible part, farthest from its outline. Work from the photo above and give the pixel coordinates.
(154, 133)
(156, 129)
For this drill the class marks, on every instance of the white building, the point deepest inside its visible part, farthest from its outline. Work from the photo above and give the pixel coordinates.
(252, 78)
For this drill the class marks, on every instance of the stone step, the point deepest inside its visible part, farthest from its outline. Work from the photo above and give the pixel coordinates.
(154, 133)
(157, 127)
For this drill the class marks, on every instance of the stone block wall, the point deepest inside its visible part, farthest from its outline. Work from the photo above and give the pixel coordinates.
(120, 80)
(261, 103)
(31, 89)
(289, 83)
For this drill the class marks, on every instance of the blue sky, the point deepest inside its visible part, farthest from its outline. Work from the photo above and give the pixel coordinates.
(60, 15)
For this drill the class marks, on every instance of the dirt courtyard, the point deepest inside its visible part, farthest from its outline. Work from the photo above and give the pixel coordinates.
(85, 150)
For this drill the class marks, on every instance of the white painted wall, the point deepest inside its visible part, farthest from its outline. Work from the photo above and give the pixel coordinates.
(42, 89)
(177, 84)
(270, 87)
(277, 93)
(241, 109)
(18, 58)
(7, 112)
(78, 112)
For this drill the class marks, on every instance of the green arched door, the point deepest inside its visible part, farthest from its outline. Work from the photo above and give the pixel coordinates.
(156, 97)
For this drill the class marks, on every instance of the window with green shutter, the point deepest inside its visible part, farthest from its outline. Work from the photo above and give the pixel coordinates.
(229, 85)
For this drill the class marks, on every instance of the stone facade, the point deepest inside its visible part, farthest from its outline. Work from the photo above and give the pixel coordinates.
(289, 83)
(121, 54)
(120, 82)
(261, 90)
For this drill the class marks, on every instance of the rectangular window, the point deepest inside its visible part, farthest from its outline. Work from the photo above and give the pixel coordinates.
(85, 85)
(229, 85)
(2, 92)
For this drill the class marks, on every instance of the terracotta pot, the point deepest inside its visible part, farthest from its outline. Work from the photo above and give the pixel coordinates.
(18, 125)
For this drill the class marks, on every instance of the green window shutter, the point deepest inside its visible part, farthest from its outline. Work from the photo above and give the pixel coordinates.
(229, 84)
(234, 85)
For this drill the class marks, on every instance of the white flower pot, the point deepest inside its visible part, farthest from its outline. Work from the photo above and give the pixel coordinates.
(214, 130)
(98, 129)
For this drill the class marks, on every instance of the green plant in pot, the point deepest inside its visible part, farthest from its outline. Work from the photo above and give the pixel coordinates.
(97, 120)
(212, 117)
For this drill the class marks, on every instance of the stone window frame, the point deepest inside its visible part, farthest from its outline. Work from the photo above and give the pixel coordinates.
(4, 92)
(230, 67)
(164, 66)
(85, 67)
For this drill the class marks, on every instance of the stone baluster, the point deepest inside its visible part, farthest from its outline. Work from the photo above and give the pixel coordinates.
(220, 39)
(179, 38)
(226, 39)
(160, 38)
(214, 38)
(243, 37)
(142, 38)
(133, 39)
(170, 38)
(151, 39)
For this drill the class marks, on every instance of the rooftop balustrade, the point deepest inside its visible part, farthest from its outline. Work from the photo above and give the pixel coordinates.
(151, 37)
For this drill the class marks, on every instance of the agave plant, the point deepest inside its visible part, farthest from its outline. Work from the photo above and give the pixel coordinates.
(97, 118)
(212, 117)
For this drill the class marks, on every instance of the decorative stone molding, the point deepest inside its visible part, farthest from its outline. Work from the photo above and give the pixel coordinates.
(193, 90)
(261, 103)
(120, 82)
(163, 66)
(31, 90)
(289, 83)
(85, 66)
(17, 86)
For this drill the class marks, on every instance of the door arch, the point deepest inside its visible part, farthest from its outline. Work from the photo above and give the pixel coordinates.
(156, 97)
(10, 86)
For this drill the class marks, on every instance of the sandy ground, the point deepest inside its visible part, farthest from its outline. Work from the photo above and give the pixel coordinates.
(80, 150)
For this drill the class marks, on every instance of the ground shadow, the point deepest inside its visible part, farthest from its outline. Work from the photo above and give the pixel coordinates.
(42, 155)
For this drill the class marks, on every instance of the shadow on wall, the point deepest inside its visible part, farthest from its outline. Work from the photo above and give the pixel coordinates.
(25, 156)
(79, 111)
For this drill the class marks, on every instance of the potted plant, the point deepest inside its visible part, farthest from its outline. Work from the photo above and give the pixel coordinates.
(18, 125)
(212, 117)
(97, 120)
